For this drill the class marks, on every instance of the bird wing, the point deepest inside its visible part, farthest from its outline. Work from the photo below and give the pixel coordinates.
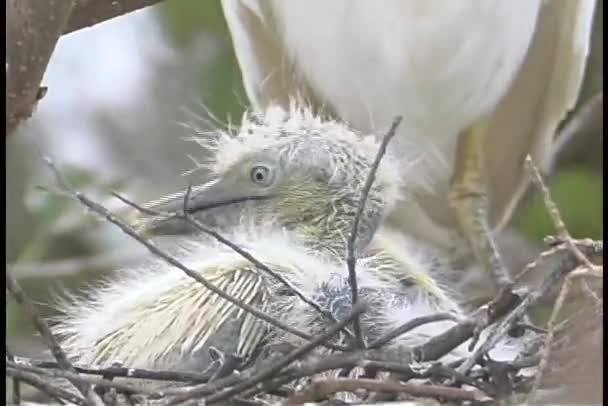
(167, 318)
(268, 74)
(524, 122)
(546, 88)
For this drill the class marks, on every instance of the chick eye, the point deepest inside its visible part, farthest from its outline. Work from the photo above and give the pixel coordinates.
(261, 175)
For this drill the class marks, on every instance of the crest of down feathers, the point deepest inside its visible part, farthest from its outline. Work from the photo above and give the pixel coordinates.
(294, 135)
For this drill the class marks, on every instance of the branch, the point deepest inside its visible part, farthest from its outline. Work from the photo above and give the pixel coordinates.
(43, 385)
(581, 137)
(322, 389)
(275, 367)
(87, 13)
(65, 267)
(32, 30)
(170, 259)
(187, 217)
(351, 260)
(44, 330)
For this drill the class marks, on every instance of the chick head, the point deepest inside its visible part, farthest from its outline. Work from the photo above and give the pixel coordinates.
(295, 169)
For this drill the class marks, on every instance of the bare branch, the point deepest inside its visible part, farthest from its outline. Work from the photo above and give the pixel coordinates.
(71, 266)
(186, 216)
(44, 385)
(90, 12)
(351, 260)
(555, 216)
(276, 367)
(321, 389)
(32, 30)
(409, 326)
(170, 259)
(546, 350)
(581, 136)
(44, 330)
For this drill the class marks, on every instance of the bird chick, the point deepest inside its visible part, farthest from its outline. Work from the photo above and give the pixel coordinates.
(296, 192)
(480, 84)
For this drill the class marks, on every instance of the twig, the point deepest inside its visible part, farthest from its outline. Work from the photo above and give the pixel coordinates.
(581, 134)
(290, 286)
(171, 260)
(322, 389)
(33, 28)
(42, 327)
(72, 266)
(409, 326)
(44, 386)
(500, 331)
(16, 383)
(546, 349)
(90, 12)
(275, 367)
(555, 216)
(84, 380)
(117, 372)
(351, 260)
(187, 217)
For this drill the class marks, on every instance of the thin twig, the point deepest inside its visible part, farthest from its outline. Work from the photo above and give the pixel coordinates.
(44, 385)
(351, 260)
(16, 389)
(170, 259)
(71, 266)
(500, 331)
(275, 367)
(85, 380)
(409, 326)
(322, 389)
(556, 218)
(245, 254)
(548, 342)
(187, 217)
(117, 372)
(44, 330)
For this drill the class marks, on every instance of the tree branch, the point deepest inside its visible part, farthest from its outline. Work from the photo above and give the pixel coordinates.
(32, 30)
(87, 13)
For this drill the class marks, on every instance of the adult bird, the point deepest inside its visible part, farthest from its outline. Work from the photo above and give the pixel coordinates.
(480, 84)
(296, 193)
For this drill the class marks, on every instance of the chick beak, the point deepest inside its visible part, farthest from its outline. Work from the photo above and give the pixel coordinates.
(211, 195)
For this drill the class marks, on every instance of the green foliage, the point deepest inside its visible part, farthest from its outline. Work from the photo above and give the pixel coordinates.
(221, 87)
(579, 197)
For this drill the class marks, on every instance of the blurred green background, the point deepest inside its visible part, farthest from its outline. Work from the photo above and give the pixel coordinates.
(44, 227)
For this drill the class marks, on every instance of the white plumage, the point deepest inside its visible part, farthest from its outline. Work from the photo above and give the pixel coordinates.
(443, 65)
(155, 316)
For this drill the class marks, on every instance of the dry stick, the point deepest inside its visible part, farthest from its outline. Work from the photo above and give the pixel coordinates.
(16, 383)
(546, 350)
(117, 372)
(44, 386)
(530, 299)
(171, 260)
(321, 389)
(558, 223)
(87, 13)
(86, 380)
(242, 252)
(290, 286)
(275, 367)
(351, 260)
(554, 278)
(409, 326)
(44, 330)
(32, 29)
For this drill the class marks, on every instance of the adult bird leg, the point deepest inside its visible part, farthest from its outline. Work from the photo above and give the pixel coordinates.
(468, 196)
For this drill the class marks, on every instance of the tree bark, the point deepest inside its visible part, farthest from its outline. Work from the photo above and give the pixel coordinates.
(32, 31)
